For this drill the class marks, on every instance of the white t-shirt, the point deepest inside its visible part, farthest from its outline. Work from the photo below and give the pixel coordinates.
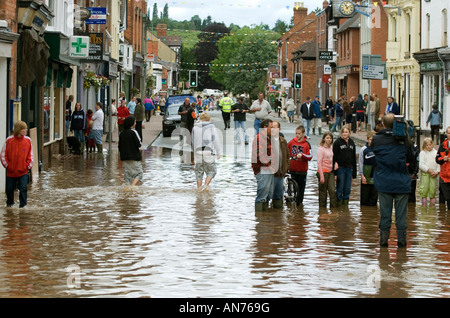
(265, 109)
(98, 120)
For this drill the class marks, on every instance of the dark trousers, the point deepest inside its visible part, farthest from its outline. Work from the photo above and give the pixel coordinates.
(148, 115)
(435, 132)
(226, 119)
(20, 183)
(369, 195)
(139, 128)
(300, 178)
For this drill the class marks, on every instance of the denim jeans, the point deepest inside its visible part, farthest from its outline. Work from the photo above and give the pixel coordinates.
(264, 187)
(79, 134)
(278, 190)
(344, 183)
(237, 125)
(257, 125)
(21, 183)
(387, 201)
(307, 125)
(337, 124)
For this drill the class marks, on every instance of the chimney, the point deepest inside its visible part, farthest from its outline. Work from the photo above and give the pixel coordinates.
(325, 4)
(300, 12)
(161, 30)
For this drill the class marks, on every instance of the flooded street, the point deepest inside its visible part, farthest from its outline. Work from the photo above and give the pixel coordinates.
(85, 234)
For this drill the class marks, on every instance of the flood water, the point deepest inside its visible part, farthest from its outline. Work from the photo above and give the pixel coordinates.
(86, 234)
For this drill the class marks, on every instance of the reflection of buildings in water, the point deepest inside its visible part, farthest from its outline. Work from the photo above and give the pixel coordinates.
(15, 256)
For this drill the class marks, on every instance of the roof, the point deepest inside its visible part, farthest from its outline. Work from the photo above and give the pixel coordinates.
(306, 51)
(352, 23)
(171, 40)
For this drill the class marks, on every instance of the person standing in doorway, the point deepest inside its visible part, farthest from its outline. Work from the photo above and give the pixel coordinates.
(78, 124)
(97, 128)
(435, 121)
(17, 157)
(262, 109)
(392, 106)
(68, 112)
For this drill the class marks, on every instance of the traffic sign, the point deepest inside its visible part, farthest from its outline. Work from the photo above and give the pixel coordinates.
(373, 72)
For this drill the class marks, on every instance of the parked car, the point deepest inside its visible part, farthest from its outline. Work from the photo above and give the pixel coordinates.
(171, 120)
(212, 92)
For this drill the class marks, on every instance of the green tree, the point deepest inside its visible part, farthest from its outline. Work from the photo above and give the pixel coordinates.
(166, 12)
(155, 12)
(244, 57)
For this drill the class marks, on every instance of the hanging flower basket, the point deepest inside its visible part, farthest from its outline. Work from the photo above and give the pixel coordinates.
(94, 80)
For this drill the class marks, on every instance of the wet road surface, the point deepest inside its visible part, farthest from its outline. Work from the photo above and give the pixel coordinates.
(85, 234)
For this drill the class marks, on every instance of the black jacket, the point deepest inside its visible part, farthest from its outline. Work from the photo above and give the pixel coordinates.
(307, 114)
(129, 142)
(345, 154)
(78, 120)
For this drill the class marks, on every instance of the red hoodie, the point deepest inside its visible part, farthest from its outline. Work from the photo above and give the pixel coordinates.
(296, 147)
(17, 156)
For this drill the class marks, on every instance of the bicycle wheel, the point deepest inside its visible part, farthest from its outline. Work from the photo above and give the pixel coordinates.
(291, 190)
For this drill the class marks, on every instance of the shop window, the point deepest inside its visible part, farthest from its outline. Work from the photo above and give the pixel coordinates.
(53, 120)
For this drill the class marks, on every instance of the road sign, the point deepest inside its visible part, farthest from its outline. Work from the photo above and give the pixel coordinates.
(373, 72)
(327, 69)
(325, 55)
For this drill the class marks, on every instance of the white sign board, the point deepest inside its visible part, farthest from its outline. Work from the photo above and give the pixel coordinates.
(287, 84)
(79, 46)
(373, 72)
(327, 70)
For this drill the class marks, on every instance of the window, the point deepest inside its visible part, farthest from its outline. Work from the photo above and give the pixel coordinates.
(51, 5)
(53, 114)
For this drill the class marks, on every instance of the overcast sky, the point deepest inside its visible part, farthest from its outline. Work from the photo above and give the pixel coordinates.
(239, 12)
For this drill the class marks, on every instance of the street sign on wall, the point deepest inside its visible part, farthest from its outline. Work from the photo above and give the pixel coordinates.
(95, 47)
(325, 55)
(373, 72)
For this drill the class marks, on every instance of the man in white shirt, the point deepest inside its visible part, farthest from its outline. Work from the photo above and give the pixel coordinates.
(261, 108)
(97, 128)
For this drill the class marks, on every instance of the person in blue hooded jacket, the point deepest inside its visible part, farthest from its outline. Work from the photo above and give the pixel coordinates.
(317, 120)
(392, 180)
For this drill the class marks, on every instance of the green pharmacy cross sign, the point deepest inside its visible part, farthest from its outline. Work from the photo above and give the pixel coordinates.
(79, 46)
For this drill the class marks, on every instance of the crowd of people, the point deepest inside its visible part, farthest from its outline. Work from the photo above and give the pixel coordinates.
(384, 163)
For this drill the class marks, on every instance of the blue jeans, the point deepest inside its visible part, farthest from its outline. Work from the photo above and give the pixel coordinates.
(79, 134)
(278, 190)
(237, 125)
(257, 125)
(337, 124)
(264, 187)
(97, 136)
(387, 201)
(344, 183)
(307, 125)
(21, 183)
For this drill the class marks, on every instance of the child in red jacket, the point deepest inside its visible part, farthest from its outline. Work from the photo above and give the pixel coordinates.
(17, 157)
(300, 154)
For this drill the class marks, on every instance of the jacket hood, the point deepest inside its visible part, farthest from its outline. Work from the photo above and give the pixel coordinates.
(128, 122)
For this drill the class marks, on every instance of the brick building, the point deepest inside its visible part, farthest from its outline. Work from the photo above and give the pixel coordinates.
(303, 31)
(304, 61)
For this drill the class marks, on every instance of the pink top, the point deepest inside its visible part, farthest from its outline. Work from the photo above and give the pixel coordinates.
(324, 160)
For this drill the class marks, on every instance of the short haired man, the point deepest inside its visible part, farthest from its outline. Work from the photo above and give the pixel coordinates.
(307, 112)
(392, 180)
(239, 110)
(262, 109)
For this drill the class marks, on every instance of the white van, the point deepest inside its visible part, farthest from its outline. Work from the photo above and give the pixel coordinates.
(212, 92)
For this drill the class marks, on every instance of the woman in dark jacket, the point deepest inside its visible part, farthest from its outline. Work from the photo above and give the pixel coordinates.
(78, 124)
(130, 153)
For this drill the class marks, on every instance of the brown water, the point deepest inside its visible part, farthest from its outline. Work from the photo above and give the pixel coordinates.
(85, 234)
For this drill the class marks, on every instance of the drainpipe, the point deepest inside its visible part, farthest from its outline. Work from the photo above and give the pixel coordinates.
(442, 89)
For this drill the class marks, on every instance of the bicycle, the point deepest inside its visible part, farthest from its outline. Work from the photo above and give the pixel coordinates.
(290, 188)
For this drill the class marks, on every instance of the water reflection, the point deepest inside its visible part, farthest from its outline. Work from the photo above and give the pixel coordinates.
(165, 239)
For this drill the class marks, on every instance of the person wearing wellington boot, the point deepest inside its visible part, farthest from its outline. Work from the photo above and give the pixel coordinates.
(283, 152)
(392, 180)
(97, 129)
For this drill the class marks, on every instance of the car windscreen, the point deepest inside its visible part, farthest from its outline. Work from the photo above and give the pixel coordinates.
(173, 109)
